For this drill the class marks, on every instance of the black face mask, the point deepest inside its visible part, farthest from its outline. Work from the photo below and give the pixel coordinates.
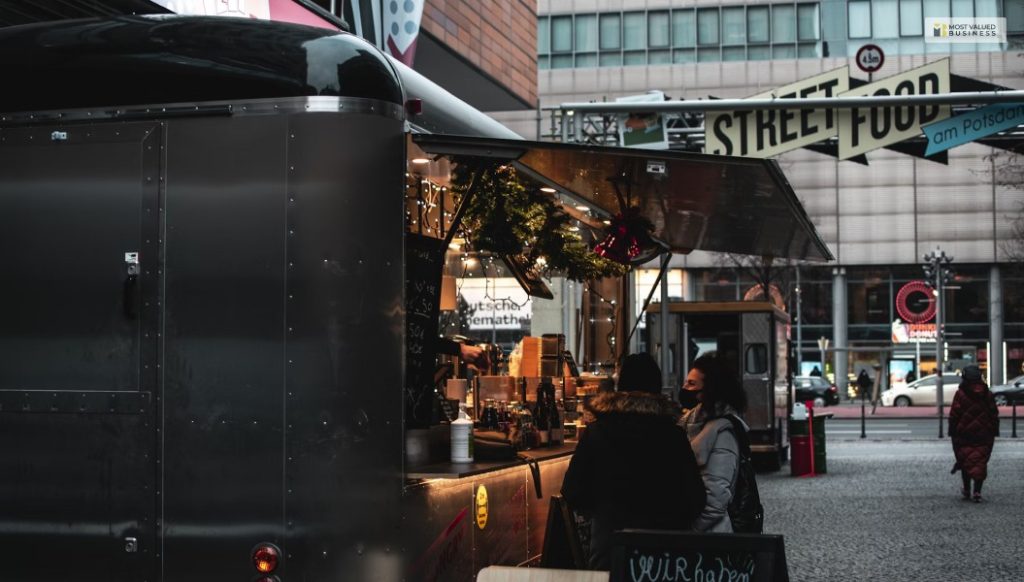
(688, 398)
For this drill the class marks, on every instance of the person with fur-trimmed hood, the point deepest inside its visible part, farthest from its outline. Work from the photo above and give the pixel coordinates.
(973, 426)
(633, 466)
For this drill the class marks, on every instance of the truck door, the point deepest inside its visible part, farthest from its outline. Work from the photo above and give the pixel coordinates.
(78, 333)
(757, 373)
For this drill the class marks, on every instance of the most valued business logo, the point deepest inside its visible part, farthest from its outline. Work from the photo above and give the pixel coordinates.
(965, 30)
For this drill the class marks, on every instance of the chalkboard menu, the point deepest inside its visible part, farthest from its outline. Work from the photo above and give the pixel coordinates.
(649, 556)
(424, 264)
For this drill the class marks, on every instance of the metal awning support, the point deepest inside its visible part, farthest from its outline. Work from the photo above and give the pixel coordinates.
(964, 98)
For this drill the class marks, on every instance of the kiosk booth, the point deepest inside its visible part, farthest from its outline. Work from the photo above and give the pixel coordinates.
(206, 330)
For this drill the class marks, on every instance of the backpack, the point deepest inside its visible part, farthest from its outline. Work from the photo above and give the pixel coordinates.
(745, 509)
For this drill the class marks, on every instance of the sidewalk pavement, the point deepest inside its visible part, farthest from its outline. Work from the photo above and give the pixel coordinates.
(852, 410)
(892, 512)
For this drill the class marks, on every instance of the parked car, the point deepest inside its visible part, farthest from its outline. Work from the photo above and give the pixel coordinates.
(922, 392)
(1012, 391)
(816, 389)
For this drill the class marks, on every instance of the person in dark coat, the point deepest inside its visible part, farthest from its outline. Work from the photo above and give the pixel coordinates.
(633, 466)
(864, 384)
(973, 426)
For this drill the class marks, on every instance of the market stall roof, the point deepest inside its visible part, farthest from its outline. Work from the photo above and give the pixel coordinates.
(695, 201)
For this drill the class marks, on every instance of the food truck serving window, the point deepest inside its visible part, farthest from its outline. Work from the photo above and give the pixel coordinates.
(695, 201)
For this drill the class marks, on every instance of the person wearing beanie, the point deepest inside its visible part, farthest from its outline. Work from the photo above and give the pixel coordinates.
(633, 466)
(973, 427)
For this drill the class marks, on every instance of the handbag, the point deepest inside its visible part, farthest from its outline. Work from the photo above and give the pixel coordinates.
(745, 509)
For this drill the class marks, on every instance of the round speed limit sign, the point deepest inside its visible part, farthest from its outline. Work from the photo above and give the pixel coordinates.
(870, 58)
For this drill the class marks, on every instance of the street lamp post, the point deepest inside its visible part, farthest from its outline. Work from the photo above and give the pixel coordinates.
(937, 274)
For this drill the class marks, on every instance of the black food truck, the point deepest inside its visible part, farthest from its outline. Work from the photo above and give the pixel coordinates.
(209, 368)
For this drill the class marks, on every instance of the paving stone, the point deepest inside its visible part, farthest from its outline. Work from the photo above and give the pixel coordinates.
(891, 511)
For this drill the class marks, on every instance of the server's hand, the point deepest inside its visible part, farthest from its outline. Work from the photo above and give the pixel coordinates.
(475, 356)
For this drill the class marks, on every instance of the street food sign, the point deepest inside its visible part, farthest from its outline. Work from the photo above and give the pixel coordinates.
(767, 133)
(863, 129)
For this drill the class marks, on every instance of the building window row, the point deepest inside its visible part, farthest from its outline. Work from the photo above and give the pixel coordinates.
(890, 19)
(725, 33)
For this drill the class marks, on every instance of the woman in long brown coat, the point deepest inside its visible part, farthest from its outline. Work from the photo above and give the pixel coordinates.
(973, 426)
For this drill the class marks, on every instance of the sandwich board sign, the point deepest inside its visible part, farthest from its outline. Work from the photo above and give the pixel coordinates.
(668, 556)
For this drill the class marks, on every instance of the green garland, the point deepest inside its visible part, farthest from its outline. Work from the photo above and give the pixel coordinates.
(505, 218)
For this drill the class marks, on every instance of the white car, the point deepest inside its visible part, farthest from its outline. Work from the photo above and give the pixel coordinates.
(922, 392)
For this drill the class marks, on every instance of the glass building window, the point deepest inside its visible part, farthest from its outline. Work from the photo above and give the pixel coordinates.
(859, 19)
(990, 8)
(757, 24)
(657, 29)
(683, 56)
(1015, 16)
(634, 58)
(783, 51)
(759, 53)
(734, 53)
(586, 33)
(963, 8)
(543, 36)
(561, 61)
(611, 32)
(543, 63)
(885, 22)
(610, 59)
(683, 30)
(936, 8)
(808, 50)
(561, 34)
(634, 31)
(734, 26)
(783, 24)
(584, 60)
(659, 57)
(709, 55)
(707, 26)
(911, 18)
(807, 22)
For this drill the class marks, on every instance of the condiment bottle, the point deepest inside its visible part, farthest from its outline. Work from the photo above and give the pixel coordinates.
(462, 437)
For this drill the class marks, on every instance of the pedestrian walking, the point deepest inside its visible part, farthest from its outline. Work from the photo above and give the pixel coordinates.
(973, 427)
(633, 466)
(816, 372)
(864, 383)
(712, 391)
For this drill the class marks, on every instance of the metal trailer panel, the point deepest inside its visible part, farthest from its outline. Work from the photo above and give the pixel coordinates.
(344, 345)
(77, 349)
(222, 418)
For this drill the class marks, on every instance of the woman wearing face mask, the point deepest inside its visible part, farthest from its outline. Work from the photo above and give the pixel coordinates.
(712, 391)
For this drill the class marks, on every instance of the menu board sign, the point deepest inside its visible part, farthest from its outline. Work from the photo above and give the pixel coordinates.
(663, 556)
(424, 263)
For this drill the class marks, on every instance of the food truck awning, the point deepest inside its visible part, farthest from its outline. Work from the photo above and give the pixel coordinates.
(695, 201)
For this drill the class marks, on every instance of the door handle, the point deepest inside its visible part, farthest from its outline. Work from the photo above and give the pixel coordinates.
(130, 289)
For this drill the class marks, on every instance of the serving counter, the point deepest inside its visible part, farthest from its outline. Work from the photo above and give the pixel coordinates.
(494, 511)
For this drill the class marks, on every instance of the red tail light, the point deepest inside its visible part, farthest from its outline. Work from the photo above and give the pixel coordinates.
(833, 389)
(265, 558)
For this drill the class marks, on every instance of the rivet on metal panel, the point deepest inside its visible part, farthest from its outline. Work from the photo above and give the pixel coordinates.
(292, 168)
(293, 136)
(291, 329)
